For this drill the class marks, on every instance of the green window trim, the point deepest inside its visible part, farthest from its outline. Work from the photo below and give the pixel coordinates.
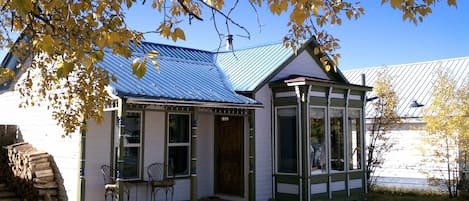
(178, 144)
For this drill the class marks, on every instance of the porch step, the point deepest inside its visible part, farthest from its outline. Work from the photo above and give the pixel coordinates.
(6, 194)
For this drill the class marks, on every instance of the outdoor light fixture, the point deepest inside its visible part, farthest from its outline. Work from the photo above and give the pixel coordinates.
(229, 42)
(416, 104)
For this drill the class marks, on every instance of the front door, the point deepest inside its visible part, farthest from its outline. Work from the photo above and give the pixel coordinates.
(229, 155)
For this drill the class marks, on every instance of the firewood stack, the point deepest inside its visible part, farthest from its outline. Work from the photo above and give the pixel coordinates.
(33, 169)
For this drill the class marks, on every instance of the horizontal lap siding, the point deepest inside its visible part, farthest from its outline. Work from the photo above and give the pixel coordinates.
(97, 153)
(263, 146)
(39, 129)
(205, 154)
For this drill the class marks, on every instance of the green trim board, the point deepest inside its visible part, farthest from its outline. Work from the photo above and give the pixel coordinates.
(318, 179)
(252, 155)
(193, 154)
(317, 101)
(285, 101)
(319, 197)
(286, 197)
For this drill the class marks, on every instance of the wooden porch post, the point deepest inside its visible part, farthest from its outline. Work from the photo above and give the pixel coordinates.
(304, 136)
(121, 114)
(81, 190)
(193, 166)
(252, 155)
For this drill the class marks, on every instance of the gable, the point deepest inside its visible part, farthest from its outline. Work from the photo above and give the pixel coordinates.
(304, 65)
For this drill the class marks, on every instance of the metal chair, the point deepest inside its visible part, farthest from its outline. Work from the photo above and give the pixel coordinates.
(110, 185)
(158, 180)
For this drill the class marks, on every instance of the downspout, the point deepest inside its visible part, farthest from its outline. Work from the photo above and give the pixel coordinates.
(81, 187)
(121, 114)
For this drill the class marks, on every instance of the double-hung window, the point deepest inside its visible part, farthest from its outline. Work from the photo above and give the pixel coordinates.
(132, 145)
(178, 158)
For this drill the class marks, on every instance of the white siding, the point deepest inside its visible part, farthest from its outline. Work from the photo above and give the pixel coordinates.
(154, 139)
(98, 145)
(303, 65)
(205, 154)
(263, 145)
(39, 129)
(406, 172)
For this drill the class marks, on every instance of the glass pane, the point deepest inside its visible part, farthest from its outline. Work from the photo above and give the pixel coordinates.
(131, 162)
(178, 128)
(317, 155)
(286, 137)
(178, 160)
(337, 139)
(354, 140)
(132, 127)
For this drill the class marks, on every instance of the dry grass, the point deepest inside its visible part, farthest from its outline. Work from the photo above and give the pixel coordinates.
(395, 194)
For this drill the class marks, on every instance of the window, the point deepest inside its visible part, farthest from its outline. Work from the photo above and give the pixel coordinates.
(178, 144)
(337, 139)
(317, 139)
(354, 139)
(132, 145)
(286, 140)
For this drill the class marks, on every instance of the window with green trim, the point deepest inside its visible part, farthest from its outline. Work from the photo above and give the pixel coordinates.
(132, 145)
(354, 139)
(337, 139)
(287, 160)
(317, 137)
(178, 144)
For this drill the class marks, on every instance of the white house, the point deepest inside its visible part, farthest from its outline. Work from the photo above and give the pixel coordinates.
(252, 124)
(413, 84)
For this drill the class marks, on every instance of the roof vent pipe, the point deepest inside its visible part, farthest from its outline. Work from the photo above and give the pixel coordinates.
(363, 79)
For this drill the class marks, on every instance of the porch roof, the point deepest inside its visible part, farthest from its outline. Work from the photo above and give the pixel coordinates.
(185, 75)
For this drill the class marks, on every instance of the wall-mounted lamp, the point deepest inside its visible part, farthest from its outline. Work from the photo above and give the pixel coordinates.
(416, 104)
(371, 98)
(229, 42)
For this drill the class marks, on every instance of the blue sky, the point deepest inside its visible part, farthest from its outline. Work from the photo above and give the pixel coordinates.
(378, 38)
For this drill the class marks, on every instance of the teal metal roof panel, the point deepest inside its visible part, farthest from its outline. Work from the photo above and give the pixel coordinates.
(248, 68)
(178, 79)
(174, 51)
(412, 81)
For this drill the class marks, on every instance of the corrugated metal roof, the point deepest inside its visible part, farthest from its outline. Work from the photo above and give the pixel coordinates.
(179, 78)
(248, 68)
(413, 81)
(174, 51)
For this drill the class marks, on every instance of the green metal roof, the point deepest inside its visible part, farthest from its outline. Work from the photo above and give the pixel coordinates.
(248, 68)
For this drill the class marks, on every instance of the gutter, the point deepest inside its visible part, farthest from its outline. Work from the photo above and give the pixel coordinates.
(193, 103)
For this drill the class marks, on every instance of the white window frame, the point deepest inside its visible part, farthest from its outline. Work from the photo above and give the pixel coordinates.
(276, 141)
(362, 136)
(139, 145)
(326, 139)
(344, 149)
(188, 144)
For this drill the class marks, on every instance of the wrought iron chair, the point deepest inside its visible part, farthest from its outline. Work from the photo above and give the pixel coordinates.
(158, 180)
(110, 185)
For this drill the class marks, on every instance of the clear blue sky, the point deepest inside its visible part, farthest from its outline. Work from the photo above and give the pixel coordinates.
(380, 37)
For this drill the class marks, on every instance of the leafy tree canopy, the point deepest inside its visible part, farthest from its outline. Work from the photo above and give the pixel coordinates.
(67, 38)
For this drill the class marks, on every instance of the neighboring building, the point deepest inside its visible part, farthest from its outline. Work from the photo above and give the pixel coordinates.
(252, 124)
(413, 84)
